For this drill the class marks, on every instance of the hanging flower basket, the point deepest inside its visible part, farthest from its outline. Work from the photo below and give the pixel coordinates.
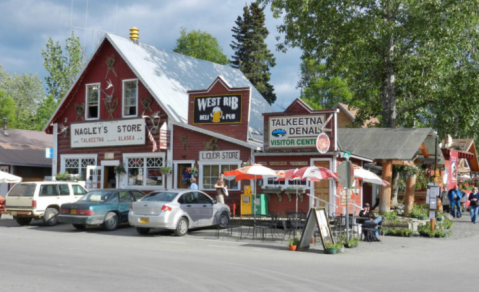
(166, 170)
(120, 169)
(191, 171)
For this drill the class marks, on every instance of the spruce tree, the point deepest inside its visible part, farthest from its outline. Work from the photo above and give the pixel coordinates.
(251, 54)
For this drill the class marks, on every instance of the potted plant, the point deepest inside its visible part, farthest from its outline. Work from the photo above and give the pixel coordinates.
(352, 242)
(330, 248)
(294, 190)
(293, 243)
(193, 171)
(120, 169)
(165, 170)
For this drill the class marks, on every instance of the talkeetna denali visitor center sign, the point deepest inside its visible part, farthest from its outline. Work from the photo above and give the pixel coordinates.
(114, 133)
(217, 109)
(295, 131)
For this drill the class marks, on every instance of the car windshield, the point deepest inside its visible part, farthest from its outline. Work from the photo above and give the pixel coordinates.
(22, 190)
(161, 197)
(102, 197)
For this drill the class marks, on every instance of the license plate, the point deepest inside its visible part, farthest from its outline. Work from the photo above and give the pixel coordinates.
(144, 220)
(73, 211)
(13, 213)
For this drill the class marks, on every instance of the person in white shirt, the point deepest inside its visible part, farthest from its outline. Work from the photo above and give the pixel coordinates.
(193, 185)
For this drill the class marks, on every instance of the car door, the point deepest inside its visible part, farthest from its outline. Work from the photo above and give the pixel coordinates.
(205, 209)
(190, 206)
(48, 195)
(65, 196)
(126, 198)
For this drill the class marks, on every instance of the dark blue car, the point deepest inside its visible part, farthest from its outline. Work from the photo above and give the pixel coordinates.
(107, 207)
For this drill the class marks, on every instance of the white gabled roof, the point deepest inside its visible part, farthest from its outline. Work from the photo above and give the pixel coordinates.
(168, 76)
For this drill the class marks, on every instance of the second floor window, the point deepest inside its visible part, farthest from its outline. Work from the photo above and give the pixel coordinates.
(130, 97)
(92, 101)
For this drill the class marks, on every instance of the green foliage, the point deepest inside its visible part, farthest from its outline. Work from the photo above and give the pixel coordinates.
(251, 54)
(293, 241)
(409, 63)
(200, 45)
(390, 216)
(63, 67)
(420, 211)
(7, 109)
(62, 176)
(45, 110)
(319, 90)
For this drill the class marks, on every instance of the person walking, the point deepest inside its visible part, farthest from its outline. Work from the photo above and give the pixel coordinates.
(474, 204)
(193, 185)
(454, 195)
(220, 189)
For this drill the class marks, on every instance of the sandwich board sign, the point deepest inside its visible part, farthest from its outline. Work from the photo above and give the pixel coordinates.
(317, 218)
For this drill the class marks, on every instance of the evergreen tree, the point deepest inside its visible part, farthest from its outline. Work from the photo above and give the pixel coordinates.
(251, 54)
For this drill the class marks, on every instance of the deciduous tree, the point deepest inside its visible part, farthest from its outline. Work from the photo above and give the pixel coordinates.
(201, 45)
(63, 67)
(400, 57)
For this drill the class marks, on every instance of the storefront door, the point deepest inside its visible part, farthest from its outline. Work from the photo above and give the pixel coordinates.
(183, 180)
(93, 177)
(321, 188)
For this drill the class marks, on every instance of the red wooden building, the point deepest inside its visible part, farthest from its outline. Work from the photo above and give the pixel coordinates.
(131, 97)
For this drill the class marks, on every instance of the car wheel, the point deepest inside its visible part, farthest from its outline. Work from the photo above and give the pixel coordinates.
(23, 221)
(224, 220)
(50, 217)
(142, 231)
(181, 227)
(79, 226)
(111, 221)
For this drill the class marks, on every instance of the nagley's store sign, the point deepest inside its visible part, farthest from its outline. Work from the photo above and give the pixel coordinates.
(114, 133)
(295, 131)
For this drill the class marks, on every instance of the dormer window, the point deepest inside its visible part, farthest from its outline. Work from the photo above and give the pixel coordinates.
(92, 101)
(130, 98)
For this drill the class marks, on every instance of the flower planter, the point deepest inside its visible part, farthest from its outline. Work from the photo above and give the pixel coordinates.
(292, 247)
(331, 250)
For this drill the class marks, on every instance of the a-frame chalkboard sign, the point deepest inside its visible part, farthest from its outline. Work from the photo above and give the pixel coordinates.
(317, 217)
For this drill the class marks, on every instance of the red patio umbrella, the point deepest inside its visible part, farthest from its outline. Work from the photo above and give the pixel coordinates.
(252, 171)
(314, 173)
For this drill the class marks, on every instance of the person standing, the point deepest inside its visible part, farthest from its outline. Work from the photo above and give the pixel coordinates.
(474, 206)
(220, 189)
(373, 220)
(193, 185)
(454, 195)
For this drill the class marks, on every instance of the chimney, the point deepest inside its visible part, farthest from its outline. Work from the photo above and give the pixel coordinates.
(5, 122)
(135, 35)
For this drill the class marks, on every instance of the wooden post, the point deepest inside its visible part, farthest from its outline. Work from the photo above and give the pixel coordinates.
(409, 195)
(385, 197)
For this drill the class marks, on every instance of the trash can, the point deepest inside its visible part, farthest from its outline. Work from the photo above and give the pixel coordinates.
(261, 204)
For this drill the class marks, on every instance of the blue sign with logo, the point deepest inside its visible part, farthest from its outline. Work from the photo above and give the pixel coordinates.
(48, 153)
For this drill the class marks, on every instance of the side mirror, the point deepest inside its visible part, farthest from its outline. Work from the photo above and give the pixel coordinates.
(213, 202)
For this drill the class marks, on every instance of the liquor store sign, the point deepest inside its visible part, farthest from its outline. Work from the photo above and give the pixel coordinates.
(295, 131)
(114, 133)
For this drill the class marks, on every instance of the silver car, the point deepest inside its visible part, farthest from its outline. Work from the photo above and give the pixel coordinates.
(177, 210)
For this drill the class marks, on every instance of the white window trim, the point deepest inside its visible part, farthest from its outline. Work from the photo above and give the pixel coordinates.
(87, 104)
(63, 157)
(123, 98)
(213, 162)
(143, 155)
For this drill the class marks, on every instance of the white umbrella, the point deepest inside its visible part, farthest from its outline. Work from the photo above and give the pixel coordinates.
(369, 176)
(9, 178)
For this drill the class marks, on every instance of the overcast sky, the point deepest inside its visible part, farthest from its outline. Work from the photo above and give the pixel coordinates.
(27, 24)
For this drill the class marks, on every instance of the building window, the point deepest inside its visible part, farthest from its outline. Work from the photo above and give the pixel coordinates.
(130, 97)
(77, 165)
(211, 173)
(92, 101)
(144, 170)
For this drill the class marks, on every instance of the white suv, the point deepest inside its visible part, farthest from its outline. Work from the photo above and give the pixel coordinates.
(36, 200)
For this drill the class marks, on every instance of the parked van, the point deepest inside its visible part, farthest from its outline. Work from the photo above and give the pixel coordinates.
(41, 200)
